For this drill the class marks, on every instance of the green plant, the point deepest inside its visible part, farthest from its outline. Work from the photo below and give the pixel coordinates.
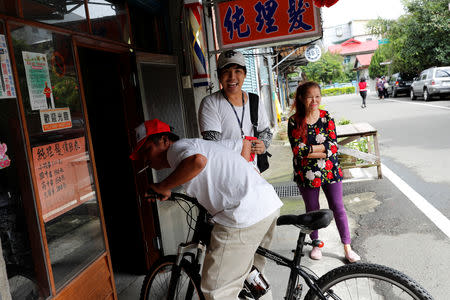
(360, 144)
(328, 68)
(344, 122)
(338, 91)
(416, 38)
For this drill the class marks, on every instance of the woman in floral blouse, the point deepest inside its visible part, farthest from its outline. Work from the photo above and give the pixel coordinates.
(312, 134)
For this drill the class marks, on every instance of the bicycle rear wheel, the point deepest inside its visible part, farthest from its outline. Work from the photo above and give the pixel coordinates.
(156, 283)
(368, 281)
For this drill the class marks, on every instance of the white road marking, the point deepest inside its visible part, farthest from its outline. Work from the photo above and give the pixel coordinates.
(429, 210)
(416, 103)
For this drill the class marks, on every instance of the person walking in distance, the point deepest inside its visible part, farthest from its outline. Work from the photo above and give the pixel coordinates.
(243, 204)
(312, 135)
(380, 88)
(362, 85)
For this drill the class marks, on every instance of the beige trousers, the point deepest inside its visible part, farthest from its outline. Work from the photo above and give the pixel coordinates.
(230, 257)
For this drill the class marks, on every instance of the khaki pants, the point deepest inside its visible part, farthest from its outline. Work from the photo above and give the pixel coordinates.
(230, 257)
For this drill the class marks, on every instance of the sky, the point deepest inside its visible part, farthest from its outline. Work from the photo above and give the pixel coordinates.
(346, 10)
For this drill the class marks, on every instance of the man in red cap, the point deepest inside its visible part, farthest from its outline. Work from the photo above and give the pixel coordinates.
(243, 204)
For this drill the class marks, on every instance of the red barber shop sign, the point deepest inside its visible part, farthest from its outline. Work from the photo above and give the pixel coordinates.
(242, 23)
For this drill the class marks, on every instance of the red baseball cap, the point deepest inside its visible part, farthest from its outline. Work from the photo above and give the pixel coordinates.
(147, 129)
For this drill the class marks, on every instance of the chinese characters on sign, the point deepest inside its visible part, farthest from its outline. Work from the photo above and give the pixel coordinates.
(55, 119)
(38, 80)
(253, 22)
(7, 89)
(62, 176)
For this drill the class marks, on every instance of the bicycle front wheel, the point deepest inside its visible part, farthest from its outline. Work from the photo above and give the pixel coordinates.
(368, 281)
(156, 283)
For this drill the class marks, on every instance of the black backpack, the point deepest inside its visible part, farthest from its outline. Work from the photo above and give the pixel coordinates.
(263, 160)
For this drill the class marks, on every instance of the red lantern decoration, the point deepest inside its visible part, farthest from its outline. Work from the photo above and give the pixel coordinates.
(327, 3)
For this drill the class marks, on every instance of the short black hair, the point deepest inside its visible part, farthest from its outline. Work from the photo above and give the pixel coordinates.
(156, 137)
(220, 71)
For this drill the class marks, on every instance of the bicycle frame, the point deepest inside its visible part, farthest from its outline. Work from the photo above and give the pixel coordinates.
(196, 250)
(294, 265)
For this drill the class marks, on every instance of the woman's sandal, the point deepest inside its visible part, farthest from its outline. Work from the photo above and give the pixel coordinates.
(316, 253)
(351, 256)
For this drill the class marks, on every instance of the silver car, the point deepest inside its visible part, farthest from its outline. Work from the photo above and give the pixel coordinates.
(431, 82)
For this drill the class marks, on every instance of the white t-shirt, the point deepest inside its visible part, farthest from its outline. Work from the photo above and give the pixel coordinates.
(216, 114)
(228, 187)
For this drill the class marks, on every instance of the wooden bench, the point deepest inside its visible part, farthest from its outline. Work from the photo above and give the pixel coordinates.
(352, 132)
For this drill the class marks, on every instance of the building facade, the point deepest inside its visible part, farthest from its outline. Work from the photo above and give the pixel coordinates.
(77, 78)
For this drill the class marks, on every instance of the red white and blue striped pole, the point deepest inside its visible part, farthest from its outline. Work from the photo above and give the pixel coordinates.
(197, 42)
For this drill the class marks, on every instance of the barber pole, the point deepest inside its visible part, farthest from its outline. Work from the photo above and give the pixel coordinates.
(197, 42)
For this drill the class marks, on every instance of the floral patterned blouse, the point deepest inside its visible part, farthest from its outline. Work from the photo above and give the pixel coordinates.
(313, 172)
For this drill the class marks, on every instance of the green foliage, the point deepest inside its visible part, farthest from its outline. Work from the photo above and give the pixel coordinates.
(418, 39)
(379, 26)
(338, 91)
(349, 73)
(382, 54)
(360, 144)
(327, 69)
(344, 121)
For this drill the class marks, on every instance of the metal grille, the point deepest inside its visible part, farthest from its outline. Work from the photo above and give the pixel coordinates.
(250, 84)
(163, 99)
(287, 189)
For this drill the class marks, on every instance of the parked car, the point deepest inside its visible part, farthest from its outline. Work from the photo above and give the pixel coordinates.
(399, 83)
(431, 82)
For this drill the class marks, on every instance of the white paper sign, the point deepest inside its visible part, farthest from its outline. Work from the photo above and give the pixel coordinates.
(55, 119)
(38, 80)
(7, 89)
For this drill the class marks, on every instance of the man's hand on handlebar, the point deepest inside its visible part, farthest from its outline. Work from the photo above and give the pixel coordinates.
(163, 194)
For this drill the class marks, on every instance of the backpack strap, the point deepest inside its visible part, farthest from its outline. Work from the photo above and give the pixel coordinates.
(254, 102)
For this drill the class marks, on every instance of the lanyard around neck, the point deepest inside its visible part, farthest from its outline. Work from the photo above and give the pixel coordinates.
(241, 121)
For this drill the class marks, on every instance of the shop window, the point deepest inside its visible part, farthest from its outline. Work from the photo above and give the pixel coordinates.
(109, 19)
(61, 157)
(20, 239)
(70, 14)
(8, 7)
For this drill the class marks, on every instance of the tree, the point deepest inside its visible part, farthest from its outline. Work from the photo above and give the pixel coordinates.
(382, 54)
(419, 39)
(327, 69)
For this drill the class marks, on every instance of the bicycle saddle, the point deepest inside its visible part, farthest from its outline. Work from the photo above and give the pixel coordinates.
(312, 220)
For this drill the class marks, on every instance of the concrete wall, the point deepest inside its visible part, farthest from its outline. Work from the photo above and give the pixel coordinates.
(354, 29)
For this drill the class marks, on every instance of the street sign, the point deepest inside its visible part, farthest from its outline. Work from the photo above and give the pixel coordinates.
(313, 53)
(383, 41)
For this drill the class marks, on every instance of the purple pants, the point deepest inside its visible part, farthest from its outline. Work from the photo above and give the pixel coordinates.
(333, 193)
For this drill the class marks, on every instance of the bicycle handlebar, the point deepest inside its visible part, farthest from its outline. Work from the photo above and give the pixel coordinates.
(174, 196)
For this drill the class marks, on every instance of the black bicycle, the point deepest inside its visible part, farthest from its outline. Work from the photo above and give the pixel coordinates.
(178, 276)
